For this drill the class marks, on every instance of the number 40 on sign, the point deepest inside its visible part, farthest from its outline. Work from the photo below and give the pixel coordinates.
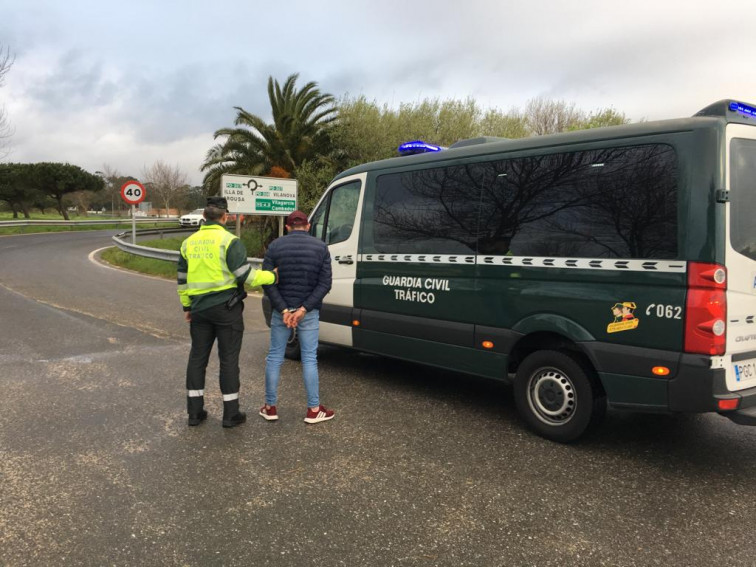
(133, 192)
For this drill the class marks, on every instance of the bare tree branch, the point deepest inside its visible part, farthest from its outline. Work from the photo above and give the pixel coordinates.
(165, 183)
(6, 62)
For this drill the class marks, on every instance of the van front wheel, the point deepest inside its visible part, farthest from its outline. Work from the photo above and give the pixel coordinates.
(555, 396)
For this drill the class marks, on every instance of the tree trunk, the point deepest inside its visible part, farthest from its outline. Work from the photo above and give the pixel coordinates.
(25, 208)
(61, 209)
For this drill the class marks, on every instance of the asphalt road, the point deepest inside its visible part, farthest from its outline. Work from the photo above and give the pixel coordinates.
(419, 467)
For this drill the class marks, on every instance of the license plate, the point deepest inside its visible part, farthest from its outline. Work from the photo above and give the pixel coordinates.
(745, 370)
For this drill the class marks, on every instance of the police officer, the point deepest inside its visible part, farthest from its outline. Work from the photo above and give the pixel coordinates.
(212, 270)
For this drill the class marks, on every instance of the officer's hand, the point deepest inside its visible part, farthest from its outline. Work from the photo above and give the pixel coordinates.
(188, 316)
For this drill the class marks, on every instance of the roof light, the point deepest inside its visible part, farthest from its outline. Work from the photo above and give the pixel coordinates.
(743, 109)
(417, 147)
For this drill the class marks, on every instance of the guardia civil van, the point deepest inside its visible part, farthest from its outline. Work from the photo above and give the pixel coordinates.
(606, 267)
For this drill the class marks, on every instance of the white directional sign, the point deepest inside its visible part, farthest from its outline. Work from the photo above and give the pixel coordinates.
(252, 195)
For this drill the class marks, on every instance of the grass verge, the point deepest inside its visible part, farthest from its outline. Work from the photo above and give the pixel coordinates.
(167, 243)
(36, 215)
(160, 268)
(73, 228)
(150, 266)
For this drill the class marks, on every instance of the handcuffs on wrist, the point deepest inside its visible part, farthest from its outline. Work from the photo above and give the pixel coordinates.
(293, 310)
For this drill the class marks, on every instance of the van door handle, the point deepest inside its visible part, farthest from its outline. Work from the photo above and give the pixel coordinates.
(346, 261)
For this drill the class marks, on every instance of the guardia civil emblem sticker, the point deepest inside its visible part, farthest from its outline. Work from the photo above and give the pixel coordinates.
(624, 317)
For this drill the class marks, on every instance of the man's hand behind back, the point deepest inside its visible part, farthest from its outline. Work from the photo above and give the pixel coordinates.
(292, 318)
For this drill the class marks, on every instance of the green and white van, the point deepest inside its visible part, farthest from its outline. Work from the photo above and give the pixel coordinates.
(613, 266)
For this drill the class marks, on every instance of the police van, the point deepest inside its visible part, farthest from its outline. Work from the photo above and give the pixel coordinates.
(605, 267)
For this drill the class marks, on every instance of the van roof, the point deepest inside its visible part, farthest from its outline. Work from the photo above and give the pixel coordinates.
(713, 116)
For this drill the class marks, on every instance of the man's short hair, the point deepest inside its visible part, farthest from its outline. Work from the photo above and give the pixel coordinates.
(297, 218)
(215, 209)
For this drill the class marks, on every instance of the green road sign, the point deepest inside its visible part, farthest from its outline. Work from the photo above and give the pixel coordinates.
(275, 205)
(259, 195)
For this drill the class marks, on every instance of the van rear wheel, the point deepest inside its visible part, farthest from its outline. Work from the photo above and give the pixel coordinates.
(556, 395)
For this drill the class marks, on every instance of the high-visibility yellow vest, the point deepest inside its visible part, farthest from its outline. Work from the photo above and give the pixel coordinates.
(205, 254)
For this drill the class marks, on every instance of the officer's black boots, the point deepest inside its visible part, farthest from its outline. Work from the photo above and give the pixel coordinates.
(231, 414)
(195, 408)
(195, 405)
(197, 418)
(238, 419)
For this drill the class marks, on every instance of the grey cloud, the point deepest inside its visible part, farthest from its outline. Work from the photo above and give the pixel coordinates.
(194, 99)
(73, 85)
(159, 106)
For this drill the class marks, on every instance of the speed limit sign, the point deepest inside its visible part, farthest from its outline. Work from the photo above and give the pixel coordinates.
(133, 192)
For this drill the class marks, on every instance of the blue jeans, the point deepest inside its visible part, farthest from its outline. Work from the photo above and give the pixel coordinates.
(307, 332)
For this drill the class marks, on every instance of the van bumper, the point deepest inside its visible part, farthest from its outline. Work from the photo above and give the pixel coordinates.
(695, 387)
(699, 388)
(746, 412)
(745, 416)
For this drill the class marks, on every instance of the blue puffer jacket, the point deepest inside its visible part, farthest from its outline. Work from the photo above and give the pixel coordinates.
(304, 271)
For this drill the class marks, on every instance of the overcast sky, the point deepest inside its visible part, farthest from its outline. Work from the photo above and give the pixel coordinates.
(127, 83)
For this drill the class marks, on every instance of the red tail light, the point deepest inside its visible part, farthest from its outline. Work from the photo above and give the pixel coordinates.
(728, 404)
(706, 309)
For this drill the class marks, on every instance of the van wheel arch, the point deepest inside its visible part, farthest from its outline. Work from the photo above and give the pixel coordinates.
(543, 340)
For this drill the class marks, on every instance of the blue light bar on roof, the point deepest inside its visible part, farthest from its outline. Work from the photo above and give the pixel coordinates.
(743, 109)
(417, 147)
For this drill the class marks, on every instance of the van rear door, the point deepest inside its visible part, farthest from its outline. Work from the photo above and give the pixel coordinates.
(740, 257)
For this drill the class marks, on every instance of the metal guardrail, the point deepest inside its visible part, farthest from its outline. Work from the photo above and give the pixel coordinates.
(117, 222)
(159, 253)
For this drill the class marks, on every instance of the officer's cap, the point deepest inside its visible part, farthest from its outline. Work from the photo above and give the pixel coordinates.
(217, 202)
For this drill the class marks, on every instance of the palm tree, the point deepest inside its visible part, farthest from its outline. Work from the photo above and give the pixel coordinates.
(300, 131)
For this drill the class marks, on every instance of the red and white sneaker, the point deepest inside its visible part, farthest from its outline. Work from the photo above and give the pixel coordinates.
(269, 414)
(318, 415)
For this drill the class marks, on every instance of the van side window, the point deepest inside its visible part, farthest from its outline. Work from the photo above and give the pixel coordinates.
(609, 203)
(318, 218)
(428, 211)
(333, 221)
(743, 196)
(342, 211)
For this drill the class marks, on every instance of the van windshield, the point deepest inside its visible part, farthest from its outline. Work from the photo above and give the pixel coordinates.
(743, 196)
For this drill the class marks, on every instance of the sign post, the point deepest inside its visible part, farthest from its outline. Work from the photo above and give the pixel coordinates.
(133, 193)
(253, 195)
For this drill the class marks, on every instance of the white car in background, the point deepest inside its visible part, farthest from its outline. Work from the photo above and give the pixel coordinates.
(194, 218)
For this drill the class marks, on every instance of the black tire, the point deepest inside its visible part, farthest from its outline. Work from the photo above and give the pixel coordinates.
(558, 396)
(292, 351)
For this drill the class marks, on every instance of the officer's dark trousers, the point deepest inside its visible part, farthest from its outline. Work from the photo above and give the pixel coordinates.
(226, 325)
